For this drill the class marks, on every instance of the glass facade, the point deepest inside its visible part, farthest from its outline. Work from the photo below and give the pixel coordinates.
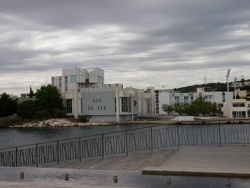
(126, 104)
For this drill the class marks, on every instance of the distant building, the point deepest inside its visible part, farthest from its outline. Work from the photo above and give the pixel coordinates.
(84, 92)
(230, 106)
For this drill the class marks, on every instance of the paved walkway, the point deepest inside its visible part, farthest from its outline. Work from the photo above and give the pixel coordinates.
(206, 161)
(134, 162)
(6, 184)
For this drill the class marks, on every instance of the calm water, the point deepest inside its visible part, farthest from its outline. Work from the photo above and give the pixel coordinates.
(16, 137)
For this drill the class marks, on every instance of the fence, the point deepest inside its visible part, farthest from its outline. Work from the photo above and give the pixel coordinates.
(125, 142)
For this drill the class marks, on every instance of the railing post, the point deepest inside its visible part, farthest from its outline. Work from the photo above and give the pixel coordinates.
(151, 130)
(16, 157)
(243, 134)
(102, 146)
(193, 129)
(36, 153)
(178, 137)
(57, 152)
(126, 139)
(219, 134)
(80, 149)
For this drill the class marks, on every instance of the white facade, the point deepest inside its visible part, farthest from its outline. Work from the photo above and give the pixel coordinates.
(84, 92)
(77, 78)
(237, 108)
(222, 99)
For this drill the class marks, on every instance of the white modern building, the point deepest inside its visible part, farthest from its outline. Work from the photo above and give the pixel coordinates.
(84, 92)
(230, 106)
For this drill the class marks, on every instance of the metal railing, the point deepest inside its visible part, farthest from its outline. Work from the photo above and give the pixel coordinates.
(125, 142)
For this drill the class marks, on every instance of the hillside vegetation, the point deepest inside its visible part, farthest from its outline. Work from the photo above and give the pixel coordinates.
(211, 87)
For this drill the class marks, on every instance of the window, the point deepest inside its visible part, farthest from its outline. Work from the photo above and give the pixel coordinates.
(115, 104)
(239, 105)
(149, 109)
(101, 107)
(104, 108)
(69, 105)
(93, 100)
(220, 105)
(100, 100)
(126, 104)
(239, 114)
(176, 97)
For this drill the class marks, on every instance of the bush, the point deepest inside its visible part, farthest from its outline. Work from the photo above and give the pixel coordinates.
(84, 118)
(58, 113)
(179, 123)
(9, 121)
(16, 120)
(42, 115)
(5, 122)
(27, 109)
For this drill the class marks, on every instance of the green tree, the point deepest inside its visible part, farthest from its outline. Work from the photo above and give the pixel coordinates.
(179, 109)
(31, 93)
(48, 97)
(200, 106)
(27, 109)
(167, 108)
(7, 105)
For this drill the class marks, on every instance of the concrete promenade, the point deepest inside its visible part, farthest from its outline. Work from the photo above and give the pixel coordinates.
(206, 161)
(188, 161)
(134, 162)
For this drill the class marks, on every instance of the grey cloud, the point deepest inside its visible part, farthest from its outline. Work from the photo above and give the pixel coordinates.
(150, 37)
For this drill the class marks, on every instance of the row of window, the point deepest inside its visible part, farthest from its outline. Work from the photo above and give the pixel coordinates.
(185, 97)
(98, 108)
(239, 105)
(97, 100)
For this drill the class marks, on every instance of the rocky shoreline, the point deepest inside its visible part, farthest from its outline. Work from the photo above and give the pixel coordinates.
(64, 122)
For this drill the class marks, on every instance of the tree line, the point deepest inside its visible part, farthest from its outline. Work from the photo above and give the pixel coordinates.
(46, 103)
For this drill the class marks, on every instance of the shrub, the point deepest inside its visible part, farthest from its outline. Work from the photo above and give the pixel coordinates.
(16, 120)
(84, 118)
(5, 122)
(58, 113)
(42, 115)
(179, 123)
(9, 121)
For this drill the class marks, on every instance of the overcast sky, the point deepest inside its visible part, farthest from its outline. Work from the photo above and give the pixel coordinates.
(170, 43)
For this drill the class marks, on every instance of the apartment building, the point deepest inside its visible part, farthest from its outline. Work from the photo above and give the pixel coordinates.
(223, 99)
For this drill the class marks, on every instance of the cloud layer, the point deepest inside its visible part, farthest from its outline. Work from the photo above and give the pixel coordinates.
(140, 44)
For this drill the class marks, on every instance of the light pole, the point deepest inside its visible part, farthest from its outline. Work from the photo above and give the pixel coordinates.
(228, 73)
